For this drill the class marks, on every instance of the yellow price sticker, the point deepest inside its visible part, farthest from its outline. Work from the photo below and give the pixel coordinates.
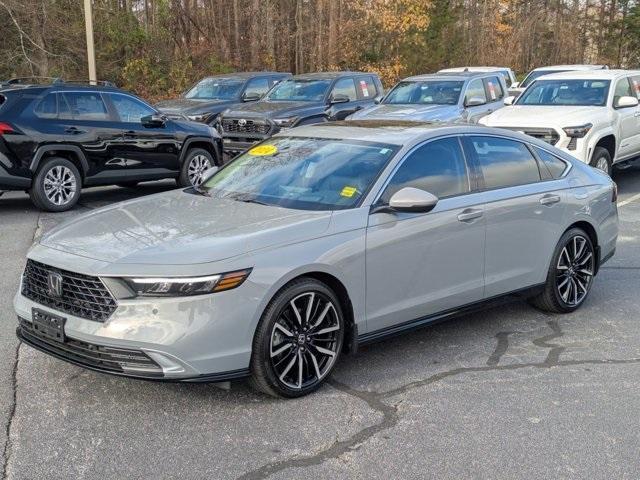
(263, 150)
(348, 191)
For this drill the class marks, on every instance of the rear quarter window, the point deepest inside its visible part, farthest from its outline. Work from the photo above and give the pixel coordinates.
(553, 164)
(47, 107)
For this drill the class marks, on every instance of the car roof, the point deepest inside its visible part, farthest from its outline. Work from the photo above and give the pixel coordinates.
(474, 69)
(445, 75)
(571, 67)
(393, 132)
(245, 75)
(329, 75)
(588, 75)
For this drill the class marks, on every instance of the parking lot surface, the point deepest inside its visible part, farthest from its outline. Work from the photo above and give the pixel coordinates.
(507, 393)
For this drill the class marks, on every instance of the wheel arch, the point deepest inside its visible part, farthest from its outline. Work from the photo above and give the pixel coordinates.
(608, 142)
(70, 152)
(208, 144)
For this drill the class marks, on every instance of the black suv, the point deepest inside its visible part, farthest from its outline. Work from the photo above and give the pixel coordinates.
(57, 138)
(206, 99)
(300, 100)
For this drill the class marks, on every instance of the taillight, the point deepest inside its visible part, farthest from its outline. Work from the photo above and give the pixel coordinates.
(614, 193)
(6, 128)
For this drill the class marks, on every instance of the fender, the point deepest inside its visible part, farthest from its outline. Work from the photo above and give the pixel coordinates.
(591, 145)
(35, 163)
(216, 143)
(312, 119)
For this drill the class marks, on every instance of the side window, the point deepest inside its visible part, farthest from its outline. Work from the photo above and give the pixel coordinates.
(507, 78)
(635, 83)
(47, 107)
(623, 89)
(345, 86)
(437, 167)
(366, 88)
(475, 89)
(130, 109)
(504, 163)
(494, 89)
(257, 85)
(555, 166)
(86, 105)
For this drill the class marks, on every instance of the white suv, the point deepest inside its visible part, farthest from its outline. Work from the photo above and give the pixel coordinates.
(593, 115)
(517, 88)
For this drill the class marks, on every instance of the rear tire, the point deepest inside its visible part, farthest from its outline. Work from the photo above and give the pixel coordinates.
(196, 162)
(56, 185)
(294, 351)
(570, 275)
(601, 160)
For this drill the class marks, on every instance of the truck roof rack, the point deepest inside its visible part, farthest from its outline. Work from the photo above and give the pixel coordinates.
(42, 80)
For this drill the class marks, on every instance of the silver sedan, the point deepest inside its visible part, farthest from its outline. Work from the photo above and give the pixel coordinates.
(318, 240)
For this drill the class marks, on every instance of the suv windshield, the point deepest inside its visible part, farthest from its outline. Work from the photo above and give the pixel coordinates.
(216, 89)
(430, 92)
(566, 92)
(537, 74)
(302, 173)
(300, 90)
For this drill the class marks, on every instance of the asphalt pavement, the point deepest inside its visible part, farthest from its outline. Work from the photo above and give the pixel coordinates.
(507, 393)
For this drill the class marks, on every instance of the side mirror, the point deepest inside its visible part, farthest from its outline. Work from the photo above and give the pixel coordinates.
(378, 100)
(251, 97)
(206, 176)
(411, 199)
(509, 100)
(339, 98)
(474, 102)
(153, 121)
(624, 102)
(515, 85)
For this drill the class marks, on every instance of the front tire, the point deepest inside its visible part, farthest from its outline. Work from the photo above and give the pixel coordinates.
(56, 186)
(601, 160)
(570, 274)
(196, 163)
(298, 340)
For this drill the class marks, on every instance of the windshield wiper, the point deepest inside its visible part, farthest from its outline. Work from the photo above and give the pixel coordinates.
(251, 200)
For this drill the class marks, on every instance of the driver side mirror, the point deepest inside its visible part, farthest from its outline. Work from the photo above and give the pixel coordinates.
(474, 101)
(153, 121)
(251, 97)
(410, 200)
(626, 101)
(515, 85)
(339, 98)
(378, 100)
(509, 100)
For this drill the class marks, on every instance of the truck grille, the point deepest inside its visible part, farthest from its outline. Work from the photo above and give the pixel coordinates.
(80, 295)
(97, 357)
(548, 135)
(251, 126)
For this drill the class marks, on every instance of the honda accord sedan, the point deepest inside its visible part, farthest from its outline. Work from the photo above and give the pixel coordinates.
(312, 243)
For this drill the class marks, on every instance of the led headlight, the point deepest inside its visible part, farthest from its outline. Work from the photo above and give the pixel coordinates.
(186, 286)
(285, 122)
(579, 131)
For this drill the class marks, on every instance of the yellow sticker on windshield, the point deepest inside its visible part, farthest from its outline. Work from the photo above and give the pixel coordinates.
(263, 150)
(348, 191)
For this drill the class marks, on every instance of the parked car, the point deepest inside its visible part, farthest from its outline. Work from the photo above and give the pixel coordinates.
(593, 115)
(517, 88)
(445, 97)
(56, 139)
(204, 101)
(318, 240)
(506, 72)
(301, 100)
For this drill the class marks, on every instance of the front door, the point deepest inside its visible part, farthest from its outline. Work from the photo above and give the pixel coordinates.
(475, 92)
(629, 120)
(420, 264)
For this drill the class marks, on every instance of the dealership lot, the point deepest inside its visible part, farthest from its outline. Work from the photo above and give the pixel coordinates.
(506, 393)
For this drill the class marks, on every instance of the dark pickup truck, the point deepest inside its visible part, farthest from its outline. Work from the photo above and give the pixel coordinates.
(301, 100)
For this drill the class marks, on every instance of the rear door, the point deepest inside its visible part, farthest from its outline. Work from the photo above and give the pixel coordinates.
(524, 214)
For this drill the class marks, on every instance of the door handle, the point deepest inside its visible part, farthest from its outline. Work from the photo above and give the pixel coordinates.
(549, 199)
(73, 130)
(469, 215)
(637, 114)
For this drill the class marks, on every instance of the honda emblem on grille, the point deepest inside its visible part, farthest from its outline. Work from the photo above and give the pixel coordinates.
(242, 122)
(54, 282)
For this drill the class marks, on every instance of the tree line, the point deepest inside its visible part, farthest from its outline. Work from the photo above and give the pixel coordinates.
(157, 48)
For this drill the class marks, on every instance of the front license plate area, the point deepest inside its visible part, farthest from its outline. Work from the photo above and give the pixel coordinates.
(48, 325)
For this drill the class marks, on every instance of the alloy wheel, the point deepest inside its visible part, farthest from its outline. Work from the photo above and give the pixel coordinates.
(198, 165)
(575, 270)
(603, 164)
(305, 340)
(60, 185)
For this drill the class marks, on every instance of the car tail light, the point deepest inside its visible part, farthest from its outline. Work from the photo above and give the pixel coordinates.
(614, 193)
(6, 128)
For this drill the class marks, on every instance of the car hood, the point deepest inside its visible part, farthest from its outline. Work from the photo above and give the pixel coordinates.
(543, 116)
(409, 112)
(276, 109)
(182, 228)
(190, 106)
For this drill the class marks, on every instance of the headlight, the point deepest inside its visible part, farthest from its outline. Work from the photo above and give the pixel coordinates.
(186, 286)
(579, 131)
(201, 117)
(285, 122)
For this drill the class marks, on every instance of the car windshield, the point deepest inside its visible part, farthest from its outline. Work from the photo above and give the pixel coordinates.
(302, 173)
(566, 92)
(534, 74)
(300, 90)
(429, 92)
(216, 89)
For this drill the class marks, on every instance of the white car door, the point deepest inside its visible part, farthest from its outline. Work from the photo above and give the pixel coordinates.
(628, 121)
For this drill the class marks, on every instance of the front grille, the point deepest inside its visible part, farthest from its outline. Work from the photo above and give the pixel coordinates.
(108, 359)
(251, 126)
(548, 135)
(82, 296)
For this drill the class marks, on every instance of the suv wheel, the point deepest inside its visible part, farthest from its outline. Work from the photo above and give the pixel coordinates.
(196, 163)
(298, 340)
(601, 160)
(56, 186)
(570, 274)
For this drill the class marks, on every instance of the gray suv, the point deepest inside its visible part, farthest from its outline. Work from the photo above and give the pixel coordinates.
(316, 241)
(444, 97)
